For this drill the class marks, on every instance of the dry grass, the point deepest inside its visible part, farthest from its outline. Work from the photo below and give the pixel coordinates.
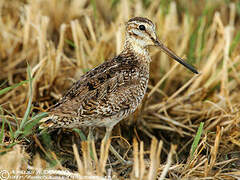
(61, 40)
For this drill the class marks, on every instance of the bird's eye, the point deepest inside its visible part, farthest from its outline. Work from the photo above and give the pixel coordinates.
(142, 27)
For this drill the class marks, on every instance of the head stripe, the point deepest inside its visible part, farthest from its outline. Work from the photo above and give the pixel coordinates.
(141, 19)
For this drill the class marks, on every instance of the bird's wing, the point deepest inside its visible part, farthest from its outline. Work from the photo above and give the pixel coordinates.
(92, 95)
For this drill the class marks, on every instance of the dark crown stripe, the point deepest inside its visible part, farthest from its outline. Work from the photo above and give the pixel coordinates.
(141, 19)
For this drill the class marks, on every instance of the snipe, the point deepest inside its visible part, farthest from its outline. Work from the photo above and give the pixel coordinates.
(110, 92)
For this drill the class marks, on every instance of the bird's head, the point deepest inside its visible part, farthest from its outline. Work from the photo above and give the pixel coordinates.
(141, 33)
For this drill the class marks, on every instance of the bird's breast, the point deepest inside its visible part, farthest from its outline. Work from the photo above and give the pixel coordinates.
(137, 87)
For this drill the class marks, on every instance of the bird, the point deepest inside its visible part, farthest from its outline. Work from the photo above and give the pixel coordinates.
(112, 91)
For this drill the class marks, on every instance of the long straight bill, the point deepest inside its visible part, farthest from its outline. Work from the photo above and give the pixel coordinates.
(175, 57)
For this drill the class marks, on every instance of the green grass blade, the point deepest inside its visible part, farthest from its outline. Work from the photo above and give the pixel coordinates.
(93, 3)
(238, 8)
(5, 90)
(70, 43)
(196, 139)
(3, 83)
(37, 116)
(2, 131)
(13, 116)
(235, 42)
(114, 3)
(33, 122)
(2, 128)
(7, 147)
(4, 120)
(46, 138)
(10, 131)
(193, 42)
(82, 136)
(29, 101)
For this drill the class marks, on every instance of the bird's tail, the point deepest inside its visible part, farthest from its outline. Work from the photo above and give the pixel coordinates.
(46, 123)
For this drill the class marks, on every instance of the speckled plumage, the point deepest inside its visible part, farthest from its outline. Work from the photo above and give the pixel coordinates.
(110, 92)
(104, 95)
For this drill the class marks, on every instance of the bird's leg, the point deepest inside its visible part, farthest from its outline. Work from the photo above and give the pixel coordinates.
(90, 134)
(76, 140)
(90, 139)
(107, 134)
(111, 148)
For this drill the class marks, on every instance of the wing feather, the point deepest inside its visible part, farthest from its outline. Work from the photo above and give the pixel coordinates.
(94, 95)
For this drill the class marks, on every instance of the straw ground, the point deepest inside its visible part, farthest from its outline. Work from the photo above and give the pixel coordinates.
(187, 127)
